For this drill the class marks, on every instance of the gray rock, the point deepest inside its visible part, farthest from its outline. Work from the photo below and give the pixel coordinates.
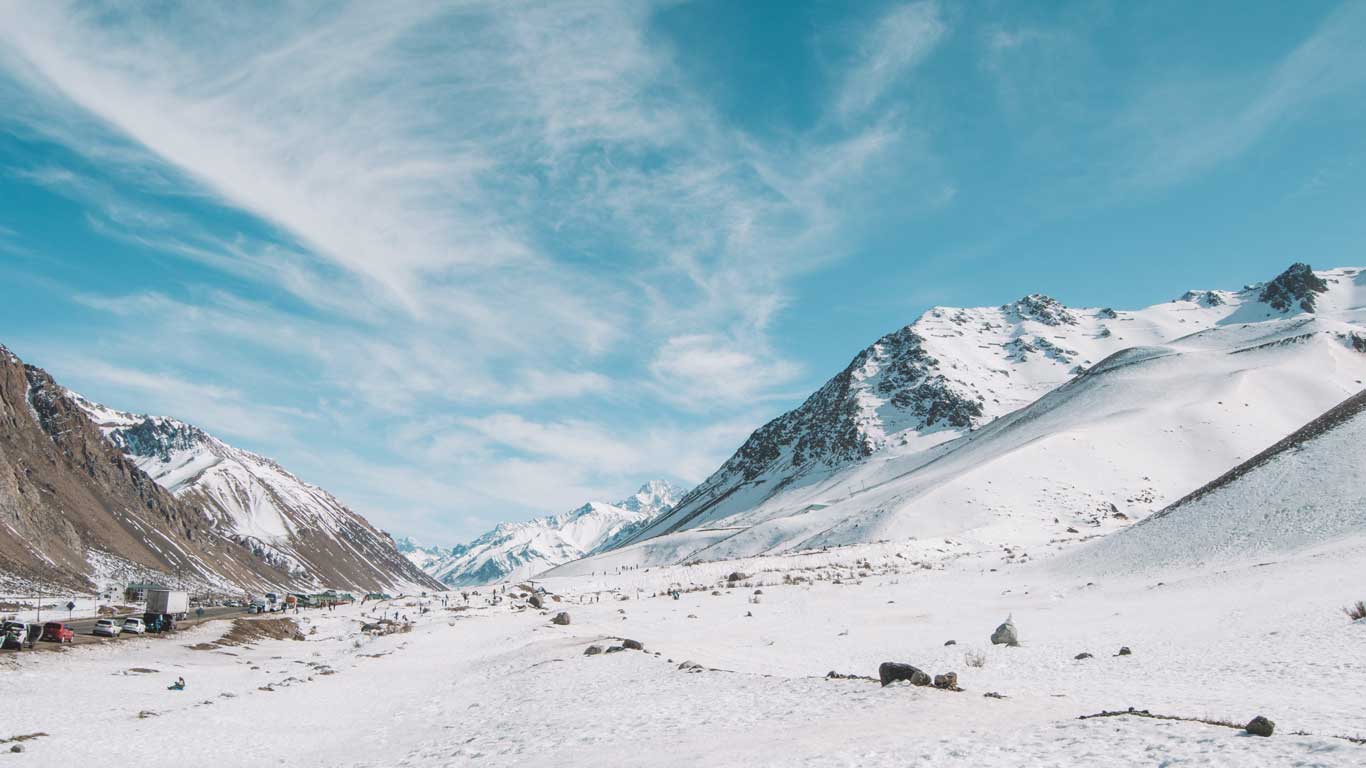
(1124, 651)
(1260, 726)
(535, 601)
(689, 666)
(947, 681)
(736, 576)
(947, 643)
(1006, 634)
(614, 649)
(592, 650)
(561, 618)
(17, 748)
(634, 645)
(890, 671)
(1082, 655)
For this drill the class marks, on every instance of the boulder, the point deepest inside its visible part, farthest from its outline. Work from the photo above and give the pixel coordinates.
(1006, 634)
(690, 666)
(947, 681)
(592, 650)
(947, 643)
(634, 645)
(1082, 655)
(736, 576)
(890, 671)
(1260, 726)
(17, 748)
(561, 618)
(614, 649)
(1124, 651)
(535, 601)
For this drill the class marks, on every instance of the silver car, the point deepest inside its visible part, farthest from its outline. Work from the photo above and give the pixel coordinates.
(107, 628)
(134, 625)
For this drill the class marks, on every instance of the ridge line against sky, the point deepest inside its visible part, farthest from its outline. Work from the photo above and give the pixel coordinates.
(468, 262)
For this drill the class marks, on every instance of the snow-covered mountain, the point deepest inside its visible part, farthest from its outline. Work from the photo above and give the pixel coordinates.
(1304, 490)
(909, 440)
(520, 550)
(298, 527)
(420, 555)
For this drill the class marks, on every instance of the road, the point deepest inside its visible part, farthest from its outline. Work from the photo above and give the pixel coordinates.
(83, 627)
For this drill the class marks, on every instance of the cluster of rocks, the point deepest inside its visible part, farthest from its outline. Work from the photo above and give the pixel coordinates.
(1123, 651)
(891, 672)
(626, 645)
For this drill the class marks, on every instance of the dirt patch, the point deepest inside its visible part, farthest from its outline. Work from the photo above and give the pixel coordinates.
(244, 631)
(23, 737)
(143, 671)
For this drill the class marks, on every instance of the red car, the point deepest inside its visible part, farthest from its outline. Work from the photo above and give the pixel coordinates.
(57, 632)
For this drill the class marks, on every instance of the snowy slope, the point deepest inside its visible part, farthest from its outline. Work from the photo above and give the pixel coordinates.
(520, 550)
(255, 502)
(421, 556)
(1306, 489)
(1190, 389)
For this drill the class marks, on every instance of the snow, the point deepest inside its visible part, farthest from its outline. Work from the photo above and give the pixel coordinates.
(250, 498)
(514, 551)
(1142, 427)
(500, 686)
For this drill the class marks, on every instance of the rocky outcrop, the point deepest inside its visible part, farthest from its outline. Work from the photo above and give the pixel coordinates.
(1297, 286)
(68, 496)
(82, 485)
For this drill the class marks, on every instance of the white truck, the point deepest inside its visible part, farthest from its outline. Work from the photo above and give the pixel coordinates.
(168, 601)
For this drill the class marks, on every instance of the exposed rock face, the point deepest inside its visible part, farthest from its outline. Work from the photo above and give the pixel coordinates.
(257, 504)
(66, 491)
(1298, 285)
(1043, 309)
(75, 493)
(561, 618)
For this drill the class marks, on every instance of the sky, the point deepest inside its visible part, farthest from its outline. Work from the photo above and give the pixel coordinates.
(465, 262)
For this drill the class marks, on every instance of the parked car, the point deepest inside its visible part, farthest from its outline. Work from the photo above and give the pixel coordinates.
(107, 628)
(134, 625)
(14, 635)
(57, 632)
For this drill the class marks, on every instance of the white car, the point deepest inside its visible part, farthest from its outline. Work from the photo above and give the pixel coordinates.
(107, 628)
(134, 626)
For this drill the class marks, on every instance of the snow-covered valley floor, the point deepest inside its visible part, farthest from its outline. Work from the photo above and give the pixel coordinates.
(500, 685)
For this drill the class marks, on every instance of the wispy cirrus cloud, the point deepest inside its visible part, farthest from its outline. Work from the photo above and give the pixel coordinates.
(1182, 128)
(481, 208)
(900, 39)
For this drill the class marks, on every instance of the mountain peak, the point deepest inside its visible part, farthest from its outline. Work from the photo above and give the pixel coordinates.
(1296, 285)
(1042, 309)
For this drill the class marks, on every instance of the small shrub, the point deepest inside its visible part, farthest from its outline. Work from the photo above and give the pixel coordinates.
(975, 659)
(1356, 612)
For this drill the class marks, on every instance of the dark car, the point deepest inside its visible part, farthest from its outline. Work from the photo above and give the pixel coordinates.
(57, 632)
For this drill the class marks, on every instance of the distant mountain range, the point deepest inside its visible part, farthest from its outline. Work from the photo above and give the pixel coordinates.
(1013, 424)
(522, 550)
(91, 494)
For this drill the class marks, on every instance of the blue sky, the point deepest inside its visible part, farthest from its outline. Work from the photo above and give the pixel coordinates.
(469, 262)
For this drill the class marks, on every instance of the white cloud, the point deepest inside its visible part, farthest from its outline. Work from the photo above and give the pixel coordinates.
(899, 41)
(702, 370)
(482, 206)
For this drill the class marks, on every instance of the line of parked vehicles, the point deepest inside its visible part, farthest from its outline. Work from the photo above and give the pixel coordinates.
(164, 608)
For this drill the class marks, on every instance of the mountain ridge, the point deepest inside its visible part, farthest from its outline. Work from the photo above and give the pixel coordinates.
(1004, 359)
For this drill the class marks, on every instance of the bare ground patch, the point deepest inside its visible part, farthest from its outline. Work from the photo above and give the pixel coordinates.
(246, 631)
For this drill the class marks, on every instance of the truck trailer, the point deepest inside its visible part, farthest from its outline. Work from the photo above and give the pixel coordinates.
(169, 601)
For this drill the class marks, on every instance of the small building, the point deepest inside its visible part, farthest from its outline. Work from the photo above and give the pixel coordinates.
(137, 591)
